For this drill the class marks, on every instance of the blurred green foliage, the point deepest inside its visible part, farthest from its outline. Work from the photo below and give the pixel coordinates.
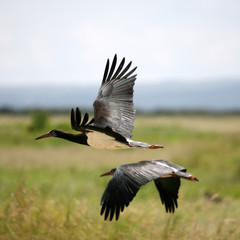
(39, 120)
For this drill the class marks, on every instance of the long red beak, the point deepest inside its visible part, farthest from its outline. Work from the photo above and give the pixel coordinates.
(43, 136)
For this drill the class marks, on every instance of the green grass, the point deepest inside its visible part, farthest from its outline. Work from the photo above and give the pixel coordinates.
(51, 189)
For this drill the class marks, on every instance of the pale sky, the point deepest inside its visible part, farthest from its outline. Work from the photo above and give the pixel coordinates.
(68, 42)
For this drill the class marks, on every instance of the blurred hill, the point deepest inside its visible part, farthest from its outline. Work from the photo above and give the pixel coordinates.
(208, 95)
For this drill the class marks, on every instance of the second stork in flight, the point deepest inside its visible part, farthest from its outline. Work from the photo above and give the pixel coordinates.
(127, 179)
(114, 113)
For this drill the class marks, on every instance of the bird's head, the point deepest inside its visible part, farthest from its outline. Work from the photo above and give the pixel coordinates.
(110, 173)
(52, 133)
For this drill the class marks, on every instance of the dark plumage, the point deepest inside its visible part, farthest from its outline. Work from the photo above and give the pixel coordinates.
(114, 113)
(127, 180)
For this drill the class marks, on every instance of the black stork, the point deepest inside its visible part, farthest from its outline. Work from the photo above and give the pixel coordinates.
(127, 180)
(114, 113)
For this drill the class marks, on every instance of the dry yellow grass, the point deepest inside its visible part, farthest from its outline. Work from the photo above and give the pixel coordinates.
(220, 124)
(52, 191)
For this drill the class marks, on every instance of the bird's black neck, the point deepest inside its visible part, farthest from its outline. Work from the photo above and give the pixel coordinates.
(77, 138)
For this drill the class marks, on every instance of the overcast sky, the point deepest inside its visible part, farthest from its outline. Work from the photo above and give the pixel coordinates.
(68, 42)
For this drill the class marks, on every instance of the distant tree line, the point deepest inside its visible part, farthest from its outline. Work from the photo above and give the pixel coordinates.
(12, 111)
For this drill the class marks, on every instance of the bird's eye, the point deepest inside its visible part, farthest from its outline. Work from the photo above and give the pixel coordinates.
(51, 133)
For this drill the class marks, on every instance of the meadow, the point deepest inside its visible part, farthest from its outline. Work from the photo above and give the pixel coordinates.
(51, 189)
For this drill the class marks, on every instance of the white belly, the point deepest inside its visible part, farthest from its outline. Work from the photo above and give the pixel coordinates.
(103, 141)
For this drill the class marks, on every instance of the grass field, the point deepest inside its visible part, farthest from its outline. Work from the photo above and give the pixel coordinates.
(51, 189)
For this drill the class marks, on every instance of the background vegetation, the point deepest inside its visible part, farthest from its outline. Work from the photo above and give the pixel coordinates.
(51, 189)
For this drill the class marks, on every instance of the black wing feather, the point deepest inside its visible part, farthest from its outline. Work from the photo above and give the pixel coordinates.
(122, 188)
(85, 119)
(168, 190)
(73, 122)
(113, 106)
(78, 116)
(124, 71)
(105, 72)
(128, 179)
(91, 121)
(112, 68)
(128, 74)
(117, 195)
(115, 76)
(76, 121)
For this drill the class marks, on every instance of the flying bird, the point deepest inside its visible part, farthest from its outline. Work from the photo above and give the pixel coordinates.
(127, 180)
(114, 113)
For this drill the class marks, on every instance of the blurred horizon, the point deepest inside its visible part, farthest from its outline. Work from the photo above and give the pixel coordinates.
(53, 54)
(221, 95)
